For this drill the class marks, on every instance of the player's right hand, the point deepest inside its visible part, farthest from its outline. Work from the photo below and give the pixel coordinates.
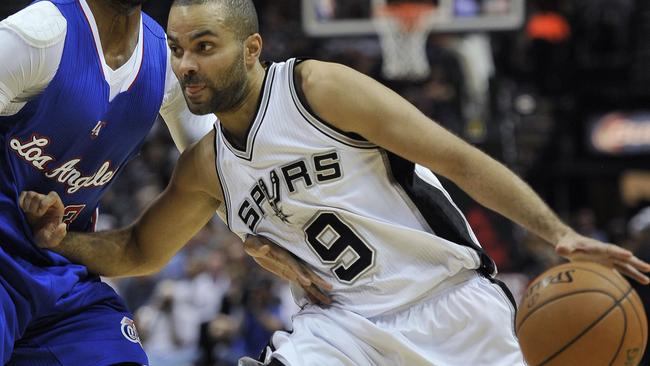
(44, 214)
(576, 247)
(283, 264)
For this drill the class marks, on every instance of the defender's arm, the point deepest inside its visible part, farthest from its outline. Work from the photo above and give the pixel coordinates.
(184, 207)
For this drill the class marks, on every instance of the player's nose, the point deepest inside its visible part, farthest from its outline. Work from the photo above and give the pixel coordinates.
(188, 64)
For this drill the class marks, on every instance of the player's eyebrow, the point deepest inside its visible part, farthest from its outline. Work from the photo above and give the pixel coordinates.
(193, 36)
(202, 33)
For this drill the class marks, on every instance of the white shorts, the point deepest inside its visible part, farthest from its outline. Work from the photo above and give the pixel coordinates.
(470, 323)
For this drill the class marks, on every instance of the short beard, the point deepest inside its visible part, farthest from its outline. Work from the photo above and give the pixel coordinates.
(227, 97)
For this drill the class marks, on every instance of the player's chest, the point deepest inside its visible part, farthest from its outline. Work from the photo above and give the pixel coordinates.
(282, 190)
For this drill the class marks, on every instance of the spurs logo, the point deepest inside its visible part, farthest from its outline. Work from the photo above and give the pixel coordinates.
(32, 152)
(322, 169)
(273, 200)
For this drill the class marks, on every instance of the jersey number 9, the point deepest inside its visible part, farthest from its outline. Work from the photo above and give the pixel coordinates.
(337, 244)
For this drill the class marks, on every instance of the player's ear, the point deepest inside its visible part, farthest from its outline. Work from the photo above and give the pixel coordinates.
(253, 48)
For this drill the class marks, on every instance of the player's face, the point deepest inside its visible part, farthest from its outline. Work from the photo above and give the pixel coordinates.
(207, 58)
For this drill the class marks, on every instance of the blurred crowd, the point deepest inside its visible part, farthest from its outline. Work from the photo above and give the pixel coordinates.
(523, 96)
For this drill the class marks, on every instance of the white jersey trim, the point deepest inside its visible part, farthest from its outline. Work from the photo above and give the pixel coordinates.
(247, 154)
(106, 70)
(222, 181)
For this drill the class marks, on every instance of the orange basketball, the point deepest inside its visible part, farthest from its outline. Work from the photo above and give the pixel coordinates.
(581, 313)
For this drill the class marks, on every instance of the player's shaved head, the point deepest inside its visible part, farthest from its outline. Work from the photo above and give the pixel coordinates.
(240, 15)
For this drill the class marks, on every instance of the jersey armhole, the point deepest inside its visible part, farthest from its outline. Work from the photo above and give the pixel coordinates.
(301, 103)
(224, 189)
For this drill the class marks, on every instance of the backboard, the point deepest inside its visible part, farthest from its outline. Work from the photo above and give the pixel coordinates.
(333, 18)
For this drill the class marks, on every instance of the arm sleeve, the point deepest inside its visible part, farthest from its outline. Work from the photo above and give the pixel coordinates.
(31, 45)
(184, 127)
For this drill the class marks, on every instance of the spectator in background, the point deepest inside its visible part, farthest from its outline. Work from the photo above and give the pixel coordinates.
(585, 224)
(161, 323)
(261, 316)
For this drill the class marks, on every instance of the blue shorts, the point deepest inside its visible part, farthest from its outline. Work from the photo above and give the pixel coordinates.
(60, 316)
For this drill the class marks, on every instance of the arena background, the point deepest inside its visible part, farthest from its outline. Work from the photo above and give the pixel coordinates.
(563, 100)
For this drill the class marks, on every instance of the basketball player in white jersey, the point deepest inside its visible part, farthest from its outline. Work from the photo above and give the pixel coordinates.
(320, 160)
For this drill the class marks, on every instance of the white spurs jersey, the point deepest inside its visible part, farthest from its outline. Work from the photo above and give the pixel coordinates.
(381, 232)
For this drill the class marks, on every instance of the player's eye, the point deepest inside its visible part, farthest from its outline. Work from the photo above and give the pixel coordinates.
(176, 51)
(205, 46)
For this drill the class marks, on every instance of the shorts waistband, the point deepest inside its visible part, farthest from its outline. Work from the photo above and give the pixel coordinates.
(444, 286)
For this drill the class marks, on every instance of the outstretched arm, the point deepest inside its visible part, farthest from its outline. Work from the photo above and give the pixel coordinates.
(375, 112)
(184, 207)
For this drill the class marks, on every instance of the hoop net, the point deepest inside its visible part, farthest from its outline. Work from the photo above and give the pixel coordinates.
(403, 29)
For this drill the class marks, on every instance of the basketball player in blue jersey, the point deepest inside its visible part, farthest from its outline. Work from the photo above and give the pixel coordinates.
(338, 170)
(81, 84)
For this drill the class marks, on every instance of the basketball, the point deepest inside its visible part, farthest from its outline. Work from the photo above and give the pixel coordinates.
(581, 313)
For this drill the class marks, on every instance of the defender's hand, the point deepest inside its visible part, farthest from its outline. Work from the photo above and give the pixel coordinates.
(284, 265)
(45, 216)
(580, 248)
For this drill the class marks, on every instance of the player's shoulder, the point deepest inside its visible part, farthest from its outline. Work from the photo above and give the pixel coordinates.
(310, 68)
(318, 79)
(151, 26)
(315, 74)
(40, 25)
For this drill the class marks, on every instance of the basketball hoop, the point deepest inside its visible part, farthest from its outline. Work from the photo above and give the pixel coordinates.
(403, 29)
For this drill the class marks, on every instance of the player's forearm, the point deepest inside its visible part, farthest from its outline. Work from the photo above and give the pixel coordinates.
(112, 253)
(496, 187)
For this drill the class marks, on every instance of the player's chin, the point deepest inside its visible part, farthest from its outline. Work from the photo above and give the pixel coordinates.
(198, 108)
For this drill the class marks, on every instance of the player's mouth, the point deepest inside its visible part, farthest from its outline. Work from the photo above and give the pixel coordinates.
(192, 90)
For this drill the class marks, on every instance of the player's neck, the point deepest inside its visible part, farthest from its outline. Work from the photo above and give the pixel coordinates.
(237, 120)
(118, 30)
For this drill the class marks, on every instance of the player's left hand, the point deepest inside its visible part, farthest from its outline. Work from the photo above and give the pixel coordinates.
(44, 214)
(284, 265)
(576, 247)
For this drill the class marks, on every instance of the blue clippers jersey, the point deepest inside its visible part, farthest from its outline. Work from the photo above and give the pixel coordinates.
(71, 139)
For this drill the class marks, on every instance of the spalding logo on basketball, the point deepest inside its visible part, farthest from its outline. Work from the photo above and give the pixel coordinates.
(581, 313)
(128, 330)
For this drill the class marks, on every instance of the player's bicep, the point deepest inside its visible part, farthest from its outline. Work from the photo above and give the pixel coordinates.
(184, 207)
(366, 107)
(170, 222)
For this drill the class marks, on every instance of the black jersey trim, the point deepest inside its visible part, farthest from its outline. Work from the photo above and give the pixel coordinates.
(247, 152)
(322, 126)
(442, 215)
(400, 190)
(222, 182)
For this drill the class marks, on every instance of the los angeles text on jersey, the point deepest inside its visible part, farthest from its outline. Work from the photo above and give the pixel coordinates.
(321, 168)
(32, 151)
